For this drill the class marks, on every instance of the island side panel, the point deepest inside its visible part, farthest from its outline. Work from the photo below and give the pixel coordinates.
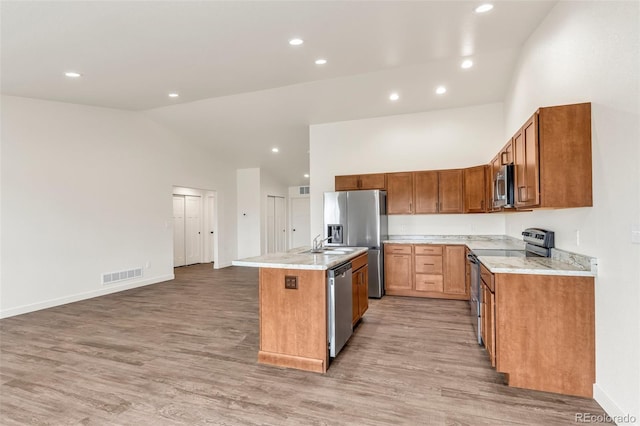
(545, 332)
(293, 322)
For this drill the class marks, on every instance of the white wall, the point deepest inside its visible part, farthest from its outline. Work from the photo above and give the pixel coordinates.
(249, 212)
(88, 190)
(442, 139)
(590, 51)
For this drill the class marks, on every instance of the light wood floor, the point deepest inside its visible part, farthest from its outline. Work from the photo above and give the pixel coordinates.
(184, 353)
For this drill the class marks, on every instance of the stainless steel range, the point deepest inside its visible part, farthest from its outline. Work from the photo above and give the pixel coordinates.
(539, 243)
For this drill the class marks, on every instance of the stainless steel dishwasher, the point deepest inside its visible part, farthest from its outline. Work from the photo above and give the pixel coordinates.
(340, 307)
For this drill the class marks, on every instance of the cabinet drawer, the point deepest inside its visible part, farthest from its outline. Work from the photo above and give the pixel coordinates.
(432, 250)
(425, 282)
(397, 248)
(428, 264)
(487, 278)
(359, 262)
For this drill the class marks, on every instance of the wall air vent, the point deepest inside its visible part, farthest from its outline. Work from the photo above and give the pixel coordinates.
(304, 190)
(114, 277)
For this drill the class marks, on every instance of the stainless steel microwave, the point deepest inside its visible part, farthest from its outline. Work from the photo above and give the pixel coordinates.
(503, 187)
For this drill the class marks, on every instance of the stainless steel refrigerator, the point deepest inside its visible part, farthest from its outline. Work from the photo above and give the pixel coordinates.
(359, 219)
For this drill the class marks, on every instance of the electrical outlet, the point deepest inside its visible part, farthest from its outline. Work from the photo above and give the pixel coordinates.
(291, 282)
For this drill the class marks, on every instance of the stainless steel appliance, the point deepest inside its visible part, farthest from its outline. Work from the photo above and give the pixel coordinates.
(359, 219)
(340, 307)
(539, 243)
(503, 187)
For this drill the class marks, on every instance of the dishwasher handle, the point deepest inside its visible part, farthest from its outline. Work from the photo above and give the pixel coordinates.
(341, 270)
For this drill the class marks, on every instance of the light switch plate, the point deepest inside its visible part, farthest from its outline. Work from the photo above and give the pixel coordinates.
(635, 234)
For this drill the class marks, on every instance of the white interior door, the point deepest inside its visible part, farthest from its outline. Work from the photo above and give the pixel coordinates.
(193, 234)
(275, 223)
(271, 224)
(300, 222)
(178, 231)
(209, 237)
(280, 225)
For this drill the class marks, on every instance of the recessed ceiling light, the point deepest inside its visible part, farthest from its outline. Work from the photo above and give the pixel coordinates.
(484, 8)
(173, 95)
(296, 41)
(274, 150)
(440, 90)
(394, 96)
(306, 175)
(321, 61)
(467, 63)
(73, 74)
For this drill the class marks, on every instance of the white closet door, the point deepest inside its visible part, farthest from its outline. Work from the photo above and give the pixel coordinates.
(178, 231)
(280, 225)
(300, 219)
(193, 237)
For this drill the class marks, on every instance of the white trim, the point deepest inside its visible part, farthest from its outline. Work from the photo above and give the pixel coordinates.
(82, 296)
(221, 265)
(611, 408)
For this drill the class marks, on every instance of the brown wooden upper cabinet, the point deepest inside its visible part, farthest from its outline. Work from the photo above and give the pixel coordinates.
(438, 191)
(361, 182)
(552, 158)
(475, 189)
(400, 193)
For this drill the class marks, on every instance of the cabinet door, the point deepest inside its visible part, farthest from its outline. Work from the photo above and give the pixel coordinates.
(399, 193)
(428, 264)
(527, 167)
(363, 291)
(454, 270)
(373, 181)
(475, 190)
(397, 267)
(506, 155)
(355, 293)
(450, 191)
(346, 183)
(426, 192)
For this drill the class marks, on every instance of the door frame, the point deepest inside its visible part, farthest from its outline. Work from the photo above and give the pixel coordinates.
(204, 195)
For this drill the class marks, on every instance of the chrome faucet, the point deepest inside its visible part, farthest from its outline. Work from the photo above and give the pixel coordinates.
(318, 245)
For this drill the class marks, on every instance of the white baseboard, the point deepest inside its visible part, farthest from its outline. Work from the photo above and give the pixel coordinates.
(19, 310)
(613, 410)
(221, 265)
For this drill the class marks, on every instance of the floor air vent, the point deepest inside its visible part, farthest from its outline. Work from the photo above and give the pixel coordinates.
(114, 277)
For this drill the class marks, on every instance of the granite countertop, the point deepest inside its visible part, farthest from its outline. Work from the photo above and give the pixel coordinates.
(300, 258)
(534, 265)
(560, 263)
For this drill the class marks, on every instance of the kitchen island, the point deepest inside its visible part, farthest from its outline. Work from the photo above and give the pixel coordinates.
(293, 304)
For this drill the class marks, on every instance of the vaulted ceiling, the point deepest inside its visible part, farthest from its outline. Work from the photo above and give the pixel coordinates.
(243, 89)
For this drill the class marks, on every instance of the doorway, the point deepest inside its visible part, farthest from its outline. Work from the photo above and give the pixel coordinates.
(276, 229)
(195, 221)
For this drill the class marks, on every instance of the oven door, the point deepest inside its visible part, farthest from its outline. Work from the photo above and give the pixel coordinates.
(476, 296)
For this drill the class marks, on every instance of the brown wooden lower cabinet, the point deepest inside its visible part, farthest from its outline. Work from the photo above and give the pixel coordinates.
(545, 332)
(359, 287)
(426, 270)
